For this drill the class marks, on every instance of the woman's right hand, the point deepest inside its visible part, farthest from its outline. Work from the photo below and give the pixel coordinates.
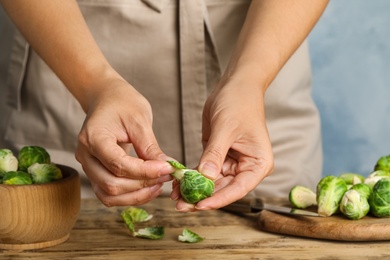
(119, 118)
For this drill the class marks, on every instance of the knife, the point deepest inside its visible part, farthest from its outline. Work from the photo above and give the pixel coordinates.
(255, 205)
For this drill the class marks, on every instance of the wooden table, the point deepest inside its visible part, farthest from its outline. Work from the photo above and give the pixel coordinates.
(100, 233)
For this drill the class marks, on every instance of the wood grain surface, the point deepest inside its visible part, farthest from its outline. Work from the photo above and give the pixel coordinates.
(39, 215)
(101, 234)
(335, 227)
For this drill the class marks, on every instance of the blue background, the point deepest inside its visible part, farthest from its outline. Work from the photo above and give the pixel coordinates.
(350, 53)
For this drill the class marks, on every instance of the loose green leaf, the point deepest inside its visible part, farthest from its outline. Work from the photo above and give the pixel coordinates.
(132, 215)
(150, 233)
(189, 237)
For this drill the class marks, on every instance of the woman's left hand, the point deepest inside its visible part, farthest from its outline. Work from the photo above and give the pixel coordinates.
(237, 150)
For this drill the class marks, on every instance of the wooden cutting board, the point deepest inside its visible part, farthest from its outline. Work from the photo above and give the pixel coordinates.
(335, 227)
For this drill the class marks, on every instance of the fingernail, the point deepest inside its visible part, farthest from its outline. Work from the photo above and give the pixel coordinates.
(164, 178)
(202, 208)
(186, 209)
(209, 170)
(155, 188)
(168, 169)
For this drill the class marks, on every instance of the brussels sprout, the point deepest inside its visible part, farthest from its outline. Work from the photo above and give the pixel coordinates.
(189, 237)
(364, 189)
(29, 155)
(383, 163)
(375, 176)
(330, 191)
(302, 197)
(380, 198)
(17, 178)
(150, 233)
(194, 186)
(354, 205)
(351, 178)
(8, 162)
(44, 172)
(132, 215)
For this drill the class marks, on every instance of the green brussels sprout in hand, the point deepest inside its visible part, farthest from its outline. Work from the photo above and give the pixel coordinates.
(17, 178)
(8, 161)
(29, 155)
(380, 199)
(354, 205)
(302, 197)
(194, 186)
(44, 172)
(330, 191)
(383, 163)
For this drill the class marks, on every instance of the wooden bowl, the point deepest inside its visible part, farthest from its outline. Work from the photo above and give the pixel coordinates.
(39, 215)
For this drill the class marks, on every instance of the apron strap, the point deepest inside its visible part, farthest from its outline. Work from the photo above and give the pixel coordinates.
(17, 68)
(195, 37)
(193, 77)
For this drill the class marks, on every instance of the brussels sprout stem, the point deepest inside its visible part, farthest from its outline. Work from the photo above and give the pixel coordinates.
(179, 173)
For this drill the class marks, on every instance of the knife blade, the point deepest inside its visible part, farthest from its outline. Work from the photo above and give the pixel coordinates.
(255, 205)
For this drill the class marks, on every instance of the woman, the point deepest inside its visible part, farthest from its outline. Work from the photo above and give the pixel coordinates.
(228, 83)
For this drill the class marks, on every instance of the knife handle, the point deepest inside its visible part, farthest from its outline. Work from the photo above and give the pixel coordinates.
(245, 205)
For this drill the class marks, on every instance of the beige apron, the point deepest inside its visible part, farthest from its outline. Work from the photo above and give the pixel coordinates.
(173, 52)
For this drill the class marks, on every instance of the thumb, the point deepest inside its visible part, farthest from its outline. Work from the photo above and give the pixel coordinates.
(146, 146)
(214, 155)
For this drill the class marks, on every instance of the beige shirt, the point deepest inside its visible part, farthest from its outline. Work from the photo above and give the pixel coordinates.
(173, 52)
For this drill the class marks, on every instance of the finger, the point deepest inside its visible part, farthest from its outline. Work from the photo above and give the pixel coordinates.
(113, 185)
(136, 198)
(183, 206)
(239, 187)
(215, 152)
(117, 162)
(175, 194)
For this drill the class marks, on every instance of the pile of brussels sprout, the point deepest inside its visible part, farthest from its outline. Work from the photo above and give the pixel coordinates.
(351, 194)
(31, 166)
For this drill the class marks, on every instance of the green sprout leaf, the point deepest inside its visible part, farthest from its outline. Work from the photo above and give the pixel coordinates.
(132, 215)
(150, 233)
(189, 237)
